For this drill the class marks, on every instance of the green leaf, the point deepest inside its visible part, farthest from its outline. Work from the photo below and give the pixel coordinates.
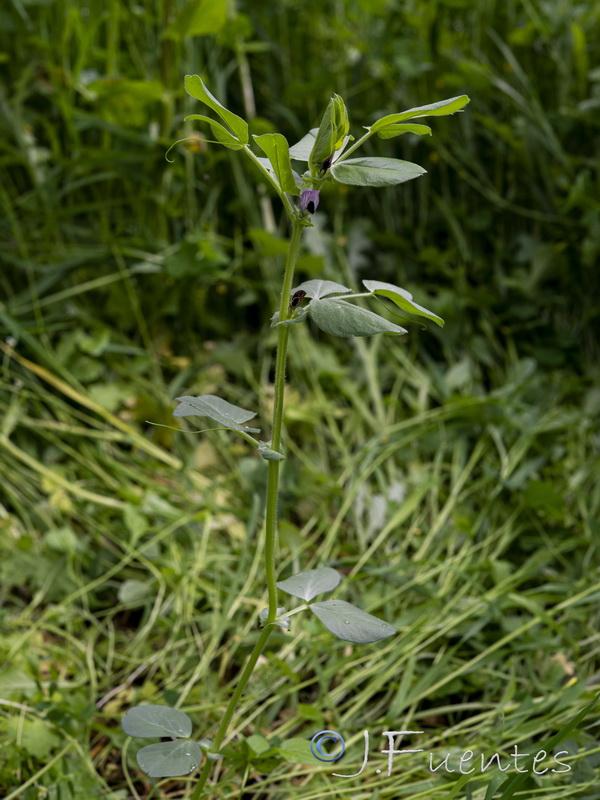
(268, 243)
(15, 681)
(136, 523)
(258, 743)
(402, 299)
(169, 759)
(63, 540)
(331, 135)
(282, 622)
(320, 288)
(296, 751)
(350, 623)
(396, 130)
(198, 18)
(206, 743)
(269, 167)
(134, 593)
(439, 109)
(375, 171)
(268, 453)
(33, 735)
(299, 316)
(493, 785)
(325, 139)
(208, 405)
(301, 150)
(342, 124)
(220, 133)
(343, 319)
(310, 583)
(146, 721)
(226, 139)
(275, 146)
(122, 101)
(542, 495)
(195, 88)
(310, 712)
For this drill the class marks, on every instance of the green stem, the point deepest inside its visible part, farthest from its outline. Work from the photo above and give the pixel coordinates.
(273, 473)
(283, 196)
(354, 147)
(272, 496)
(245, 676)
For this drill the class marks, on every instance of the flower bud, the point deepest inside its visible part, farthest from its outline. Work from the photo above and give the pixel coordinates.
(309, 200)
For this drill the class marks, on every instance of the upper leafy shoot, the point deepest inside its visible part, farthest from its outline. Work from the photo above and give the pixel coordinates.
(330, 136)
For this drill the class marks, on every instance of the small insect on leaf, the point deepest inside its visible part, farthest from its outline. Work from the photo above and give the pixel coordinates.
(326, 164)
(297, 298)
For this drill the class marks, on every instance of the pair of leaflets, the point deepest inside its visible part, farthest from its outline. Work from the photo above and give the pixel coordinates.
(179, 756)
(234, 135)
(344, 620)
(331, 310)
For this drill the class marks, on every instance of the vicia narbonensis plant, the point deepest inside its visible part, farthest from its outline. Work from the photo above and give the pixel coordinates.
(327, 152)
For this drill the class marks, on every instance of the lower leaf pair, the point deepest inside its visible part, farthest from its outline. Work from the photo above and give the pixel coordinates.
(344, 620)
(180, 756)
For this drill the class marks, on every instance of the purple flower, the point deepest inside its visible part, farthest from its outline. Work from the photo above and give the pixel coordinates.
(309, 200)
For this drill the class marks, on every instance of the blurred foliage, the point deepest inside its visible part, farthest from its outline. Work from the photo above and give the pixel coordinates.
(505, 229)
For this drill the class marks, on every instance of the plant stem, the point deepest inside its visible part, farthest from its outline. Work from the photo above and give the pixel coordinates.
(244, 677)
(284, 198)
(272, 497)
(279, 387)
(354, 147)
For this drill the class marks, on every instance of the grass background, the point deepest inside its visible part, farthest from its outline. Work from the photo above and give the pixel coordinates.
(452, 476)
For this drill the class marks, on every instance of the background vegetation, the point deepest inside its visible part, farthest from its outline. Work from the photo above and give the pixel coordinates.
(452, 475)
